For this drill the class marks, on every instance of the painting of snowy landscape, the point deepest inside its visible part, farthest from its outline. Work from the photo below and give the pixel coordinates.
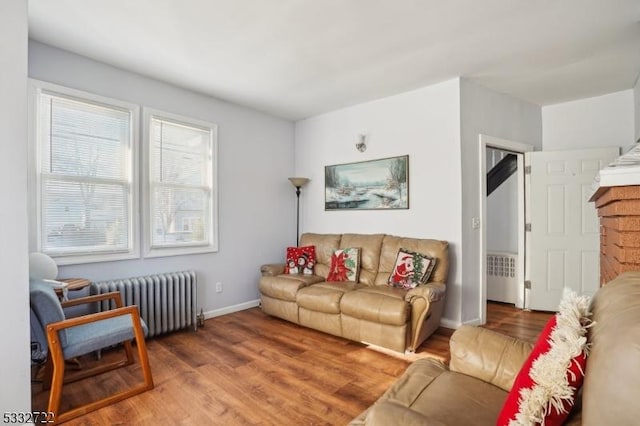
(375, 184)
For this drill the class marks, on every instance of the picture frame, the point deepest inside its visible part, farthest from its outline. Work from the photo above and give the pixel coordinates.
(381, 184)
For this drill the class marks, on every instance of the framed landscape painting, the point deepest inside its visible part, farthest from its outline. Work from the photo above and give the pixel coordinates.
(368, 185)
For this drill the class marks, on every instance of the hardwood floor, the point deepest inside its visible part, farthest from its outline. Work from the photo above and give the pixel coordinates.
(250, 368)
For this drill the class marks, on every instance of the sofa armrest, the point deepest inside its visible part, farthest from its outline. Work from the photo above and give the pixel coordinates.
(272, 269)
(385, 413)
(426, 303)
(431, 292)
(487, 355)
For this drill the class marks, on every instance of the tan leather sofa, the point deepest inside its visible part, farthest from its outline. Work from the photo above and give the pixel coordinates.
(368, 311)
(483, 366)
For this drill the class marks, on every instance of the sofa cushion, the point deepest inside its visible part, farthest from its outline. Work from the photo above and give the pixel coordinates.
(345, 265)
(428, 393)
(370, 245)
(323, 297)
(544, 390)
(488, 355)
(389, 413)
(410, 269)
(325, 245)
(300, 260)
(285, 287)
(383, 305)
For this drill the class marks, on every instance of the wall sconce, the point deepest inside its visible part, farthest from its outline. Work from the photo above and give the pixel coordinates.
(361, 145)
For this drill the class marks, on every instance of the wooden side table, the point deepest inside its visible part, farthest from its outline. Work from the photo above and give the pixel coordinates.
(74, 284)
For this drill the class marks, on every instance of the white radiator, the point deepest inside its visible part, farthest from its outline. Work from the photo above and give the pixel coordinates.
(167, 302)
(502, 276)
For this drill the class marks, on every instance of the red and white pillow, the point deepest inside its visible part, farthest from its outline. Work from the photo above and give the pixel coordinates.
(300, 260)
(545, 388)
(345, 265)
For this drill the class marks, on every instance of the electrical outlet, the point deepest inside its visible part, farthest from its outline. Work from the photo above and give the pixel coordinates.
(218, 287)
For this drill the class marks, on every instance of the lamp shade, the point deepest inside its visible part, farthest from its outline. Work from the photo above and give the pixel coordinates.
(298, 182)
(42, 266)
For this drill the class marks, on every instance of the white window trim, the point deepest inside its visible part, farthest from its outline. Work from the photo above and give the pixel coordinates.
(35, 203)
(147, 222)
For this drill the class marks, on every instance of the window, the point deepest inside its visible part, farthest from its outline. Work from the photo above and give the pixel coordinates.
(85, 179)
(180, 200)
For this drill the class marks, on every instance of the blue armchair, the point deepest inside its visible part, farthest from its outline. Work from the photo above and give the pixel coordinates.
(73, 337)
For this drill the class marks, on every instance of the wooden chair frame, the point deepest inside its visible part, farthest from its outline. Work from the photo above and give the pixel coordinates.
(55, 367)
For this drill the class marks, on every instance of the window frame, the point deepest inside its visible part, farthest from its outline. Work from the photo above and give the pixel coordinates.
(35, 181)
(150, 251)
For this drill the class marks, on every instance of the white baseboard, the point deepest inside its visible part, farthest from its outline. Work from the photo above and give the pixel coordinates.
(476, 322)
(231, 309)
(446, 323)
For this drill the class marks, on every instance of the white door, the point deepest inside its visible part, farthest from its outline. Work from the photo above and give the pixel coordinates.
(563, 246)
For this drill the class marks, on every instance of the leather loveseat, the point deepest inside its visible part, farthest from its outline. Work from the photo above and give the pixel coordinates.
(472, 389)
(368, 310)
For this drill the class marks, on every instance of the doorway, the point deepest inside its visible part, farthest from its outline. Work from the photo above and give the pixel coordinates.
(562, 238)
(502, 225)
(516, 232)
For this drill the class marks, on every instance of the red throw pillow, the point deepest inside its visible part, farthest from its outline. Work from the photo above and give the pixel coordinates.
(531, 403)
(300, 260)
(345, 265)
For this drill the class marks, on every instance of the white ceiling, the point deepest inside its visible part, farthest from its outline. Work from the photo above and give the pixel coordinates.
(299, 58)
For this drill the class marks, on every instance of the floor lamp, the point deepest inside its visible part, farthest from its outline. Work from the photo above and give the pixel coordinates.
(298, 182)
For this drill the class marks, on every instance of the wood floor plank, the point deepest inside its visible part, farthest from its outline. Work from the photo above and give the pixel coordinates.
(250, 392)
(248, 368)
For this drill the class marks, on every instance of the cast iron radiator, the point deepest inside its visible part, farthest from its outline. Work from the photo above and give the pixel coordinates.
(167, 302)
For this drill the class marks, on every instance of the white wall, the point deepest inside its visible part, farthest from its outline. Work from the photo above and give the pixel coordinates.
(424, 124)
(483, 111)
(15, 391)
(600, 121)
(502, 209)
(636, 109)
(502, 217)
(257, 203)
